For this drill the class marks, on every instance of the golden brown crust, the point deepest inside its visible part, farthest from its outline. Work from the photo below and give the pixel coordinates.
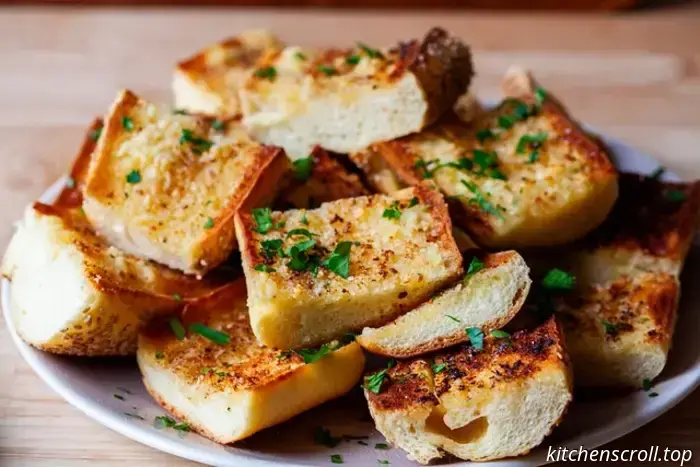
(409, 384)
(72, 193)
(649, 217)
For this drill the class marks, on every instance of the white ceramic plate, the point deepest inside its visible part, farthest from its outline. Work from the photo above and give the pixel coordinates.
(91, 385)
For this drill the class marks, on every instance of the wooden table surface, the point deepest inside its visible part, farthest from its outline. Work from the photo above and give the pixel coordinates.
(633, 76)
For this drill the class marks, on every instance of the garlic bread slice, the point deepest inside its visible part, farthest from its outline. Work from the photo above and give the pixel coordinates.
(521, 175)
(487, 298)
(315, 274)
(166, 186)
(345, 100)
(487, 400)
(209, 81)
(223, 383)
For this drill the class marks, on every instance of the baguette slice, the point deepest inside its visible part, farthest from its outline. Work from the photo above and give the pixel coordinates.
(380, 267)
(523, 174)
(346, 100)
(166, 186)
(318, 179)
(74, 294)
(209, 81)
(227, 392)
(619, 320)
(477, 405)
(488, 299)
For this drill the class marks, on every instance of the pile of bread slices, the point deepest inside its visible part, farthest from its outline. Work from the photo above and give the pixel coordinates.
(298, 206)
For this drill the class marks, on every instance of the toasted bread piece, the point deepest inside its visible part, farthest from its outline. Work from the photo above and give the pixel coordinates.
(488, 299)
(619, 320)
(482, 404)
(166, 186)
(505, 191)
(73, 293)
(393, 264)
(230, 391)
(319, 179)
(209, 81)
(71, 196)
(345, 100)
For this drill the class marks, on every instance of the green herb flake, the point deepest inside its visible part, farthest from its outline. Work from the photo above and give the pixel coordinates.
(475, 266)
(127, 123)
(177, 328)
(414, 202)
(506, 121)
(336, 458)
(481, 200)
(374, 382)
(657, 174)
(160, 355)
(362, 443)
(534, 156)
(303, 232)
(218, 125)
(653, 394)
(285, 354)
(383, 446)
(371, 53)
(438, 368)
(608, 327)
(164, 421)
(532, 141)
(392, 212)
(540, 95)
(268, 72)
(456, 320)
(119, 396)
(483, 135)
(213, 335)
(70, 182)
(300, 56)
(353, 59)
(263, 219)
(327, 70)
(646, 384)
(95, 134)
(323, 437)
(196, 143)
(133, 415)
(303, 168)
(177, 297)
(133, 177)
(312, 355)
(339, 261)
(675, 196)
(304, 220)
(476, 337)
(264, 268)
(383, 462)
(272, 247)
(180, 112)
(556, 279)
(209, 223)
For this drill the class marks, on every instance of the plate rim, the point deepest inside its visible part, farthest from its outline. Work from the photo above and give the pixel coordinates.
(104, 416)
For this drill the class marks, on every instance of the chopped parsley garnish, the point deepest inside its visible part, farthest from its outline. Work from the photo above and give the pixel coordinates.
(534, 156)
(127, 123)
(268, 72)
(177, 297)
(487, 162)
(438, 368)
(218, 125)
(336, 458)
(646, 384)
(327, 70)
(371, 53)
(164, 421)
(160, 355)
(353, 59)
(374, 382)
(304, 220)
(657, 173)
(476, 337)
(520, 112)
(303, 168)
(300, 56)
(608, 327)
(427, 168)
(507, 121)
(198, 144)
(500, 334)
(414, 202)
(177, 327)
(540, 95)
(556, 279)
(263, 219)
(303, 232)
(485, 134)
(393, 211)
(339, 261)
(653, 394)
(675, 196)
(133, 177)
(119, 396)
(532, 141)
(209, 223)
(264, 268)
(95, 134)
(270, 248)
(383, 462)
(323, 437)
(180, 112)
(479, 199)
(70, 182)
(213, 335)
(381, 446)
(475, 266)
(456, 320)
(300, 260)
(285, 355)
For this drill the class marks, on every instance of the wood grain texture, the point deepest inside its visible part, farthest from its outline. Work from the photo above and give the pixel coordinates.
(635, 77)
